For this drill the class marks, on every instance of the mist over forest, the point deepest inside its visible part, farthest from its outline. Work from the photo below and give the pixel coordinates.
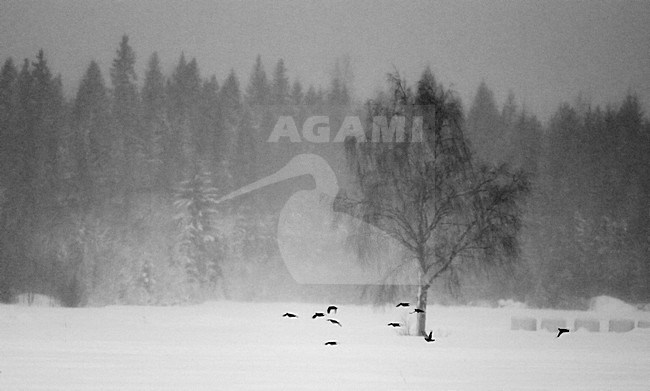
(110, 196)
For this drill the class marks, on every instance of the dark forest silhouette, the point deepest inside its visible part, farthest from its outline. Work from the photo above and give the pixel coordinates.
(108, 197)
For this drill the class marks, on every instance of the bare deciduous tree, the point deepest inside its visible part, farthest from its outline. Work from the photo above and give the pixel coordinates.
(428, 195)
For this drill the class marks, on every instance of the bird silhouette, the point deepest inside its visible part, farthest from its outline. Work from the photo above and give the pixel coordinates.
(394, 324)
(332, 308)
(331, 343)
(417, 311)
(334, 321)
(312, 236)
(561, 331)
(289, 315)
(429, 338)
(403, 305)
(317, 315)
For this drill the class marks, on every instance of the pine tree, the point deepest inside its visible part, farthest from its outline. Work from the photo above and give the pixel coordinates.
(311, 99)
(280, 86)
(297, 95)
(8, 95)
(125, 112)
(258, 90)
(9, 158)
(484, 126)
(245, 152)
(509, 110)
(338, 94)
(230, 102)
(24, 141)
(199, 242)
(184, 91)
(91, 122)
(156, 129)
(213, 140)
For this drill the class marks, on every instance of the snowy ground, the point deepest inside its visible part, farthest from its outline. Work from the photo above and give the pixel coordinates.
(244, 346)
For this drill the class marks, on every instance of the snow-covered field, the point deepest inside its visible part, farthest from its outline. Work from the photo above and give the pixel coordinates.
(250, 346)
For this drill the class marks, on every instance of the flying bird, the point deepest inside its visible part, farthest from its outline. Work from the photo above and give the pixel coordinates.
(417, 311)
(332, 308)
(561, 331)
(331, 343)
(317, 315)
(429, 338)
(334, 321)
(289, 315)
(403, 305)
(394, 324)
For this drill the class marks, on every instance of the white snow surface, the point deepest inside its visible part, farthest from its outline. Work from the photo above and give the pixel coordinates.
(250, 346)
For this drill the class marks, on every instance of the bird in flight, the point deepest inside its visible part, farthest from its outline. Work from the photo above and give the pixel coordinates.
(417, 311)
(331, 343)
(394, 324)
(317, 315)
(334, 321)
(289, 315)
(332, 308)
(429, 338)
(561, 331)
(403, 304)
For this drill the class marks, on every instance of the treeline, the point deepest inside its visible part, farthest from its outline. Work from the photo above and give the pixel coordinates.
(587, 228)
(108, 197)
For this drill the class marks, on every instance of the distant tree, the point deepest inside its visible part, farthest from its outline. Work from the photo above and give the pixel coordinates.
(509, 110)
(198, 240)
(311, 98)
(126, 113)
(297, 95)
(244, 159)
(484, 126)
(280, 88)
(230, 98)
(184, 92)
(525, 144)
(212, 138)
(155, 127)
(8, 95)
(91, 148)
(344, 73)
(338, 94)
(449, 215)
(41, 114)
(258, 90)
(230, 103)
(9, 161)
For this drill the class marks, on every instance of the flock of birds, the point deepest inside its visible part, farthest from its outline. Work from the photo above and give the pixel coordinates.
(428, 338)
(332, 309)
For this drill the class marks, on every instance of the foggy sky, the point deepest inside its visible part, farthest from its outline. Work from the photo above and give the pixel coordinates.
(544, 51)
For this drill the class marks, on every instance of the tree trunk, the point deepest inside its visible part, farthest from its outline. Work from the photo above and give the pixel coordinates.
(422, 304)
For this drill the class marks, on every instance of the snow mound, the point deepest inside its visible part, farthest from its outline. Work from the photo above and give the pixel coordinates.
(610, 305)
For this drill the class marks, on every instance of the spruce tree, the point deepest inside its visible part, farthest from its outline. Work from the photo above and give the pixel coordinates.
(297, 94)
(280, 87)
(93, 137)
(484, 126)
(258, 90)
(155, 128)
(125, 111)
